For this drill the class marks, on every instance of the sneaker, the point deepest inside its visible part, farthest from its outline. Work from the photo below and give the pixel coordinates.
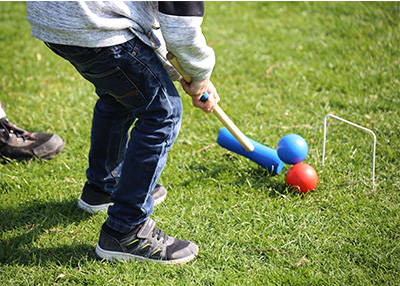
(94, 199)
(159, 194)
(19, 144)
(144, 243)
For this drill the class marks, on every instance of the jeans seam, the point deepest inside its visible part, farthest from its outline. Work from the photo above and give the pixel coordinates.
(97, 57)
(122, 139)
(143, 64)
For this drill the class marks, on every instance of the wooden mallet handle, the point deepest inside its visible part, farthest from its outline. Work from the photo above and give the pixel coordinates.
(219, 113)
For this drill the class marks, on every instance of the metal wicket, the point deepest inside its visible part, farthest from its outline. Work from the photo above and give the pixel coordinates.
(358, 126)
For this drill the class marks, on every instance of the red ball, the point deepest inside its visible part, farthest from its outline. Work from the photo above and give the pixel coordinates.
(302, 177)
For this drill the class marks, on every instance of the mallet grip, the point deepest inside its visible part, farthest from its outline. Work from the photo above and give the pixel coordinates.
(219, 113)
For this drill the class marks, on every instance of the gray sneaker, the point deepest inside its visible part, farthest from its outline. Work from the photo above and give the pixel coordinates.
(144, 243)
(94, 199)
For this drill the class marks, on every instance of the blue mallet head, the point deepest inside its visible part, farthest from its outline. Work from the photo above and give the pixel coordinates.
(292, 149)
(262, 155)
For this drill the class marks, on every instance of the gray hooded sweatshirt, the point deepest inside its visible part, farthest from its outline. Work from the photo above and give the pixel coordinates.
(161, 25)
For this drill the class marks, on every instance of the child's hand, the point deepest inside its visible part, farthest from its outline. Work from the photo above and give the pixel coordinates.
(196, 89)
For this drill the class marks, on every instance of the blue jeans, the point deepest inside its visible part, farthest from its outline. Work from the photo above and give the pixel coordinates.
(133, 88)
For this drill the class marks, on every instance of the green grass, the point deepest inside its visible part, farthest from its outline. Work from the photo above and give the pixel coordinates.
(281, 67)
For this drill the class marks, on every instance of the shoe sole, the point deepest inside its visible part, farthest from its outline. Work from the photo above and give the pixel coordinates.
(121, 256)
(92, 208)
(159, 200)
(102, 208)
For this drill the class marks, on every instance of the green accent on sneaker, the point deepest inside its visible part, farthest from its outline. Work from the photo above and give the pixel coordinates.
(158, 250)
(136, 240)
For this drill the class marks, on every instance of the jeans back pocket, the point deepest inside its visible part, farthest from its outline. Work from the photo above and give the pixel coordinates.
(117, 84)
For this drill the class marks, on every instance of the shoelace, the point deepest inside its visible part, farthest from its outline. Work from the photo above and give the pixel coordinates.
(160, 234)
(10, 129)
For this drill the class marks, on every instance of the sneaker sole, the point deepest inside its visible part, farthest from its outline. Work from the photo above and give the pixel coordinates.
(121, 256)
(102, 208)
(92, 208)
(159, 200)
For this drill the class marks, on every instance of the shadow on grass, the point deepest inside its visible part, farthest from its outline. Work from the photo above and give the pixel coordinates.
(10, 161)
(254, 176)
(22, 226)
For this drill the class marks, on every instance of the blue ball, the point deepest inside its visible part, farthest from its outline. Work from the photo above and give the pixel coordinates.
(292, 149)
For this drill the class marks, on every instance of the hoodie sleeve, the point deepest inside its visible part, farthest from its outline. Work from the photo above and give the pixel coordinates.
(180, 24)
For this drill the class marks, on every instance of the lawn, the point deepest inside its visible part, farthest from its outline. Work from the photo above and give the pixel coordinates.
(280, 68)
